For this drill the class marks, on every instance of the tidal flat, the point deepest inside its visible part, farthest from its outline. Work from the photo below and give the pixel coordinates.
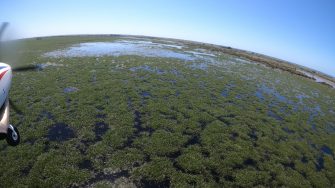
(135, 111)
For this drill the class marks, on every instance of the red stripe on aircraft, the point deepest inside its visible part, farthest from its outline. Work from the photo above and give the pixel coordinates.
(2, 74)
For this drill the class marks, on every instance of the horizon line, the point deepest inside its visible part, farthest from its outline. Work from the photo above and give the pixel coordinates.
(185, 40)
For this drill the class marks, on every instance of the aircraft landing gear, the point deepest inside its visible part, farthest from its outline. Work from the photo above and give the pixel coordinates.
(7, 130)
(13, 136)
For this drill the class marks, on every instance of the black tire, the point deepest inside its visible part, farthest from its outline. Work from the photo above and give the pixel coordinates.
(11, 138)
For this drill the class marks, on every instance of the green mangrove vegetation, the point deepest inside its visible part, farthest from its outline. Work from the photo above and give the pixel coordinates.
(167, 114)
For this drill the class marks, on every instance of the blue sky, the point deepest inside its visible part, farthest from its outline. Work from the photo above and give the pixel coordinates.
(301, 32)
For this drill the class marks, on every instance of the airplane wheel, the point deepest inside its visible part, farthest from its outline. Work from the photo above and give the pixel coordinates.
(13, 136)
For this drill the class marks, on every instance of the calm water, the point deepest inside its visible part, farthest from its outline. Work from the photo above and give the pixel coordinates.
(124, 47)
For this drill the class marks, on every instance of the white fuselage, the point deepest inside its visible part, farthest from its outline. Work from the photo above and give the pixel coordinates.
(5, 81)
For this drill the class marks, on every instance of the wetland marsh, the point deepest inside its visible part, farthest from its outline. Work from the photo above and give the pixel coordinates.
(140, 112)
